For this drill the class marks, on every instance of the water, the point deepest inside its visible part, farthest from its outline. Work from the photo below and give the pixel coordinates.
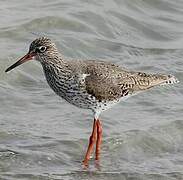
(43, 137)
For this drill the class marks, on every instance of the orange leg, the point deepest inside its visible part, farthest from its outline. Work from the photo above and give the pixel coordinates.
(92, 141)
(99, 139)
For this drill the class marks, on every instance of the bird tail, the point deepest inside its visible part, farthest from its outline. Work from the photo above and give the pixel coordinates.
(146, 81)
(170, 79)
(161, 79)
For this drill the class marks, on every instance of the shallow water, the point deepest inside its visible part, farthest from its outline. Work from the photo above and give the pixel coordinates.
(43, 137)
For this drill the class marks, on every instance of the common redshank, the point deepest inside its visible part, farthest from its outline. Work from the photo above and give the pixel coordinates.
(89, 84)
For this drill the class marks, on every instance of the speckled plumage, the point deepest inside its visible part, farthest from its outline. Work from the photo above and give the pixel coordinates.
(92, 84)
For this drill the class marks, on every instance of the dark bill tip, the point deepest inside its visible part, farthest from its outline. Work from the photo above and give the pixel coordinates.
(13, 66)
(27, 57)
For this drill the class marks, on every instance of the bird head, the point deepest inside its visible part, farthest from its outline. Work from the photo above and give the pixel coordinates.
(39, 50)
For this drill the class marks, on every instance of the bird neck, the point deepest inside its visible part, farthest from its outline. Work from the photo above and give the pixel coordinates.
(53, 60)
(54, 66)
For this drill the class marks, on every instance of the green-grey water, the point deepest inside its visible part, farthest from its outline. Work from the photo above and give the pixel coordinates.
(44, 137)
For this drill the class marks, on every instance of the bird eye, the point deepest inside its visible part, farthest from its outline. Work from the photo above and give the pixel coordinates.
(42, 48)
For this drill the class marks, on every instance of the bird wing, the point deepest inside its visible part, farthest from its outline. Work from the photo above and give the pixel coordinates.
(107, 81)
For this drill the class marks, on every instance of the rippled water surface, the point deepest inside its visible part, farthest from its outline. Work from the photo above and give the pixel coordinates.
(43, 137)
